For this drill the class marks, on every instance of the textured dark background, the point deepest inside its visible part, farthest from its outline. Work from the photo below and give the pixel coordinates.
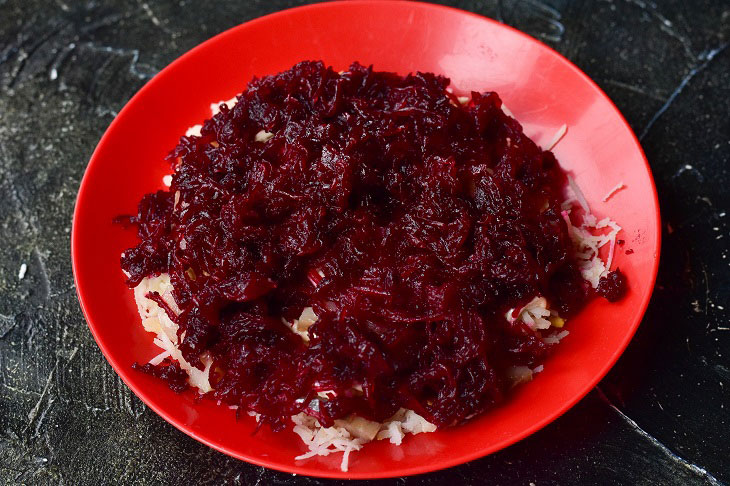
(662, 415)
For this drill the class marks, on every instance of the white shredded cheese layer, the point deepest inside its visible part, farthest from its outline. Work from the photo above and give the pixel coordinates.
(156, 320)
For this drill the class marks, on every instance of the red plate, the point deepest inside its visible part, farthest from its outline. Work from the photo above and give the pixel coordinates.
(540, 87)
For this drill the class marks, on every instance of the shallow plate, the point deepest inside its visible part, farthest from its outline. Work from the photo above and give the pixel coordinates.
(540, 87)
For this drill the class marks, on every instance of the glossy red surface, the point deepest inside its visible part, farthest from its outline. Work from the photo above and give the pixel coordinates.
(542, 89)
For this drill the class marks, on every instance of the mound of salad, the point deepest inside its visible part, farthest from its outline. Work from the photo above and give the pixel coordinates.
(358, 255)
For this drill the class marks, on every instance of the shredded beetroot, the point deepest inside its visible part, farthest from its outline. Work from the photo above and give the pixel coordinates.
(612, 286)
(410, 223)
(168, 370)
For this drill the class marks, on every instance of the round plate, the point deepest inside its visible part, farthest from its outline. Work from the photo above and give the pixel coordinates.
(541, 88)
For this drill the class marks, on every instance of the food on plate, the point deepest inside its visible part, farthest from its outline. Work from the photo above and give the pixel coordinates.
(358, 255)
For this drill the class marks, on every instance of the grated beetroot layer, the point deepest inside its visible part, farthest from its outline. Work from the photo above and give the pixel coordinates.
(410, 223)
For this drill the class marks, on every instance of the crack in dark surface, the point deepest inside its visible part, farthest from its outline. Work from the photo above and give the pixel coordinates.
(44, 277)
(722, 371)
(104, 22)
(8, 323)
(123, 52)
(13, 47)
(634, 89)
(707, 58)
(700, 471)
(25, 55)
(665, 25)
(149, 13)
(34, 411)
(534, 9)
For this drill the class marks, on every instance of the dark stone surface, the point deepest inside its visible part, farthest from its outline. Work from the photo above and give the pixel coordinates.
(662, 416)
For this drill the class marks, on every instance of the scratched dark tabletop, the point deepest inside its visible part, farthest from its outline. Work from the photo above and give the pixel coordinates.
(662, 416)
